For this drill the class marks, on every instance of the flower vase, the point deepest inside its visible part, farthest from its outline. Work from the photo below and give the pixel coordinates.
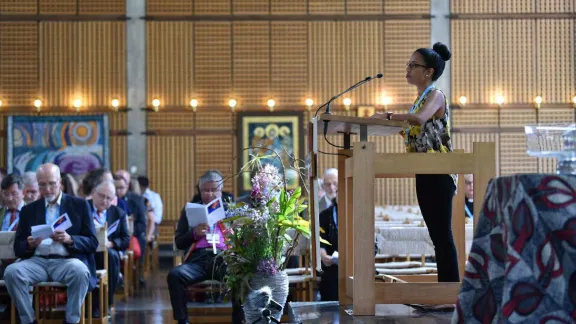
(254, 304)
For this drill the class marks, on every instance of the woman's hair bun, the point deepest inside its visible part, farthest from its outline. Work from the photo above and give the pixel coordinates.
(442, 50)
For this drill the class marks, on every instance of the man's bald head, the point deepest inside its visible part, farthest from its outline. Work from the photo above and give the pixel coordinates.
(49, 181)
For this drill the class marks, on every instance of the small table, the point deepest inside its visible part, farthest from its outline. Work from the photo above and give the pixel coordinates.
(522, 264)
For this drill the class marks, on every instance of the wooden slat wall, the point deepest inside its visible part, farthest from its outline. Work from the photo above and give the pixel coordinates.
(60, 61)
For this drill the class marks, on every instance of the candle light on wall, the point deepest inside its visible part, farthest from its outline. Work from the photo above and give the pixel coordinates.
(115, 103)
(37, 104)
(1, 102)
(538, 101)
(77, 103)
(347, 103)
(463, 101)
(574, 101)
(309, 102)
(194, 104)
(271, 103)
(232, 103)
(156, 104)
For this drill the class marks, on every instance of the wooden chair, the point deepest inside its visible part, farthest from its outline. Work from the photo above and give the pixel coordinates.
(7, 253)
(51, 289)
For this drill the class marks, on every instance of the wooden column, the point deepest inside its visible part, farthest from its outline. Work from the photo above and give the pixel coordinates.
(483, 172)
(363, 218)
(342, 227)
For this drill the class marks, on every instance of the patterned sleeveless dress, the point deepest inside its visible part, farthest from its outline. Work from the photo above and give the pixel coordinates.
(432, 137)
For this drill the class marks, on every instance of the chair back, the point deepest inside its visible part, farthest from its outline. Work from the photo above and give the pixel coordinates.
(102, 235)
(7, 245)
(130, 221)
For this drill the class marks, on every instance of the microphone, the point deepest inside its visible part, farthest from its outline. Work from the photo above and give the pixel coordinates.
(329, 103)
(357, 84)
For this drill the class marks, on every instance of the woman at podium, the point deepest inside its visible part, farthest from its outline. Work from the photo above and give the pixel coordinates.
(429, 132)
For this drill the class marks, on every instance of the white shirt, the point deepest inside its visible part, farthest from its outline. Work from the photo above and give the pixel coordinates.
(48, 246)
(156, 204)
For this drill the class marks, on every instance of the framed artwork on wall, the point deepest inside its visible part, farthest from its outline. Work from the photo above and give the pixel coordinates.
(77, 144)
(261, 133)
(366, 111)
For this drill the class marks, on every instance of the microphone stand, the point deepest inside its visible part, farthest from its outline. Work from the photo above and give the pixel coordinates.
(329, 103)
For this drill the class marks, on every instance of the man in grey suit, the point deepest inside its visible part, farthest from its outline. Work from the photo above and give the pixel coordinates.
(66, 257)
(330, 186)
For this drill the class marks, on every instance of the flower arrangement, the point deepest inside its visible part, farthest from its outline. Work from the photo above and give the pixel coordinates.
(259, 240)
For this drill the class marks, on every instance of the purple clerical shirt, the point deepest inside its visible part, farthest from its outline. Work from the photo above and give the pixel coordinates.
(203, 242)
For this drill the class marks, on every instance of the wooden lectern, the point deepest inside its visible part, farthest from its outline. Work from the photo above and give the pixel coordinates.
(357, 170)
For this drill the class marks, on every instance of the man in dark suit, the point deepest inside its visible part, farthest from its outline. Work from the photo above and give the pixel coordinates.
(137, 207)
(66, 257)
(118, 238)
(200, 262)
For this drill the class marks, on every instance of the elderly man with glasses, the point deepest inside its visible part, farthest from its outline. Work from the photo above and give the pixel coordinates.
(66, 257)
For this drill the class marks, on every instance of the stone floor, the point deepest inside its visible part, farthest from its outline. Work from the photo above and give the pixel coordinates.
(151, 305)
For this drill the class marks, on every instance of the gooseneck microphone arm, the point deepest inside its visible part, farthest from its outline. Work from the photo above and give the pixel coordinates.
(329, 103)
(356, 85)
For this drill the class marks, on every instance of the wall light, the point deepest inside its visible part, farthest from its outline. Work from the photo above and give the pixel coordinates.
(115, 104)
(232, 103)
(574, 101)
(309, 102)
(1, 102)
(271, 103)
(463, 101)
(156, 104)
(194, 104)
(538, 101)
(37, 104)
(347, 103)
(77, 103)
(499, 101)
(386, 101)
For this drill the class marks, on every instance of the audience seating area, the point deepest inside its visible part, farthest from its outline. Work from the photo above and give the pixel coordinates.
(49, 308)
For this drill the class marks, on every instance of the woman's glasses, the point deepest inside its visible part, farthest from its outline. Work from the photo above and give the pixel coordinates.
(412, 65)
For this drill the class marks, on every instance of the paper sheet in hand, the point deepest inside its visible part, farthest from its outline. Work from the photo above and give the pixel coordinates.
(45, 231)
(113, 227)
(209, 214)
(334, 257)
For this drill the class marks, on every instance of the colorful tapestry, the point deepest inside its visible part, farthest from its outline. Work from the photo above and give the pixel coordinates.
(522, 265)
(77, 144)
(262, 134)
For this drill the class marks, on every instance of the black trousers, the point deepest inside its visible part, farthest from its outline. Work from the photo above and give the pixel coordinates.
(201, 265)
(329, 284)
(113, 274)
(435, 193)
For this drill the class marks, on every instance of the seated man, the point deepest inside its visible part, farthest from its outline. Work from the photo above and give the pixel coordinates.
(9, 217)
(67, 257)
(137, 208)
(30, 191)
(200, 262)
(469, 195)
(329, 223)
(104, 212)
